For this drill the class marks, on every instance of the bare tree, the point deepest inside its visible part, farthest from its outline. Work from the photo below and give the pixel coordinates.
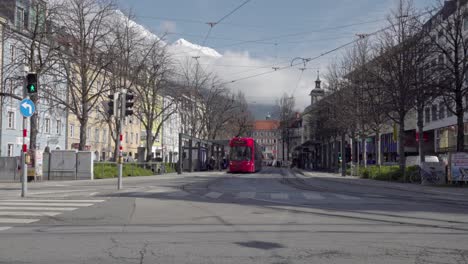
(218, 109)
(446, 30)
(285, 107)
(157, 97)
(134, 56)
(397, 62)
(84, 28)
(242, 118)
(195, 80)
(34, 47)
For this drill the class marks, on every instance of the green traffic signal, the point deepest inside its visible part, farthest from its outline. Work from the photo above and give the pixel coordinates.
(32, 89)
(31, 86)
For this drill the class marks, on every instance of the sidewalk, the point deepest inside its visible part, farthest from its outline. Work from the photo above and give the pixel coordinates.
(46, 183)
(417, 188)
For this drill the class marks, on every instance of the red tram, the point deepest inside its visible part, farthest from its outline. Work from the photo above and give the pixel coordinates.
(245, 155)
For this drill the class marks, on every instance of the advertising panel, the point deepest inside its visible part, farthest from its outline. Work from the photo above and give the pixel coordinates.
(458, 167)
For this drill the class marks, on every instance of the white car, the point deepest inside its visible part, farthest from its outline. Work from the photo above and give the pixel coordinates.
(415, 161)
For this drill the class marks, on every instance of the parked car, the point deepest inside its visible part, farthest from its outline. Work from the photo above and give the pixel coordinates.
(415, 161)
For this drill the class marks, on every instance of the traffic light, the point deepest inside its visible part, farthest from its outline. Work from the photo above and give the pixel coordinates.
(112, 104)
(31, 82)
(129, 102)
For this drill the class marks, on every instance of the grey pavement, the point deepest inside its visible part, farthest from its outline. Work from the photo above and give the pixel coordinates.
(274, 216)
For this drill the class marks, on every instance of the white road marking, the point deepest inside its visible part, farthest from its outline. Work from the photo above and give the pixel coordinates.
(178, 194)
(280, 196)
(38, 208)
(55, 201)
(92, 194)
(159, 190)
(347, 197)
(3, 228)
(213, 195)
(313, 196)
(59, 191)
(246, 195)
(17, 220)
(16, 213)
(46, 204)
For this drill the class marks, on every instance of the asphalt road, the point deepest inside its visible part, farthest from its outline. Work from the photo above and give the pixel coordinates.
(274, 216)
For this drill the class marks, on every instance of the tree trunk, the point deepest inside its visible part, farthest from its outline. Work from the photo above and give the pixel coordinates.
(149, 145)
(83, 128)
(379, 148)
(34, 125)
(401, 146)
(357, 156)
(353, 156)
(421, 134)
(364, 153)
(343, 155)
(84, 125)
(335, 156)
(460, 125)
(116, 138)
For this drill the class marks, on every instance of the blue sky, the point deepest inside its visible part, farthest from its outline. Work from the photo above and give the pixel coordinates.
(287, 29)
(261, 19)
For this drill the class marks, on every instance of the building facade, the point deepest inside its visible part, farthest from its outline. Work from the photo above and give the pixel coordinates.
(267, 135)
(51, 119)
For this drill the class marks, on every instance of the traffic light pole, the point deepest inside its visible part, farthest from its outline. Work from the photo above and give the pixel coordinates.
(121, 105)
(121, 116)
(24, 166)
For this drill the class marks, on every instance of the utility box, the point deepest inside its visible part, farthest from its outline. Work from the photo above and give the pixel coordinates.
(84, 165)
(62, 165)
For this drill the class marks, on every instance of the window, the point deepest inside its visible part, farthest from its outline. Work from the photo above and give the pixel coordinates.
(10, 150)
(441, 59)
(19, 18)
(441, 111)
(131, 137)
(126, 137)
(427, 115)
(47, 125)
(136, 138)
(96, 135)
(88, 133)
(72, 131)
(240, 153)
(449, 113)
(466, 103)
(12, 54)
(58, 128)
(11, 120)
(434, 112)
(441, 34)
(465, 22)
(104, 136)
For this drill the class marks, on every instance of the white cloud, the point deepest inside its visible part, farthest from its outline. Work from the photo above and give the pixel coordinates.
(168, 26)
(234, 66)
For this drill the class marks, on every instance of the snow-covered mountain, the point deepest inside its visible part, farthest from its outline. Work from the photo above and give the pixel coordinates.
(184, 46)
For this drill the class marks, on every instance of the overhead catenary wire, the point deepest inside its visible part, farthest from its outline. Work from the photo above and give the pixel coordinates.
(360, 37)
(213, 24)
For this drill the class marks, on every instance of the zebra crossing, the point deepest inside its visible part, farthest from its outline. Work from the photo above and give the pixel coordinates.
(25, 211)
(276, 196)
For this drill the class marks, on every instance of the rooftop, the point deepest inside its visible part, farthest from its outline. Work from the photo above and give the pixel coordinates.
(266, 124)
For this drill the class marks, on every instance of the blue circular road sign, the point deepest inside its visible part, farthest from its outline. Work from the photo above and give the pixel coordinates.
(27, 107)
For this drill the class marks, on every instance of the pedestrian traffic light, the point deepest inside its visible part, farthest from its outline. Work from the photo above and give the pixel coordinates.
(31, 82)
(112, 104)
(129, 102)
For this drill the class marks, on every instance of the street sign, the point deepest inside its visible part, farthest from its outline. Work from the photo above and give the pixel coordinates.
(27, 107)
